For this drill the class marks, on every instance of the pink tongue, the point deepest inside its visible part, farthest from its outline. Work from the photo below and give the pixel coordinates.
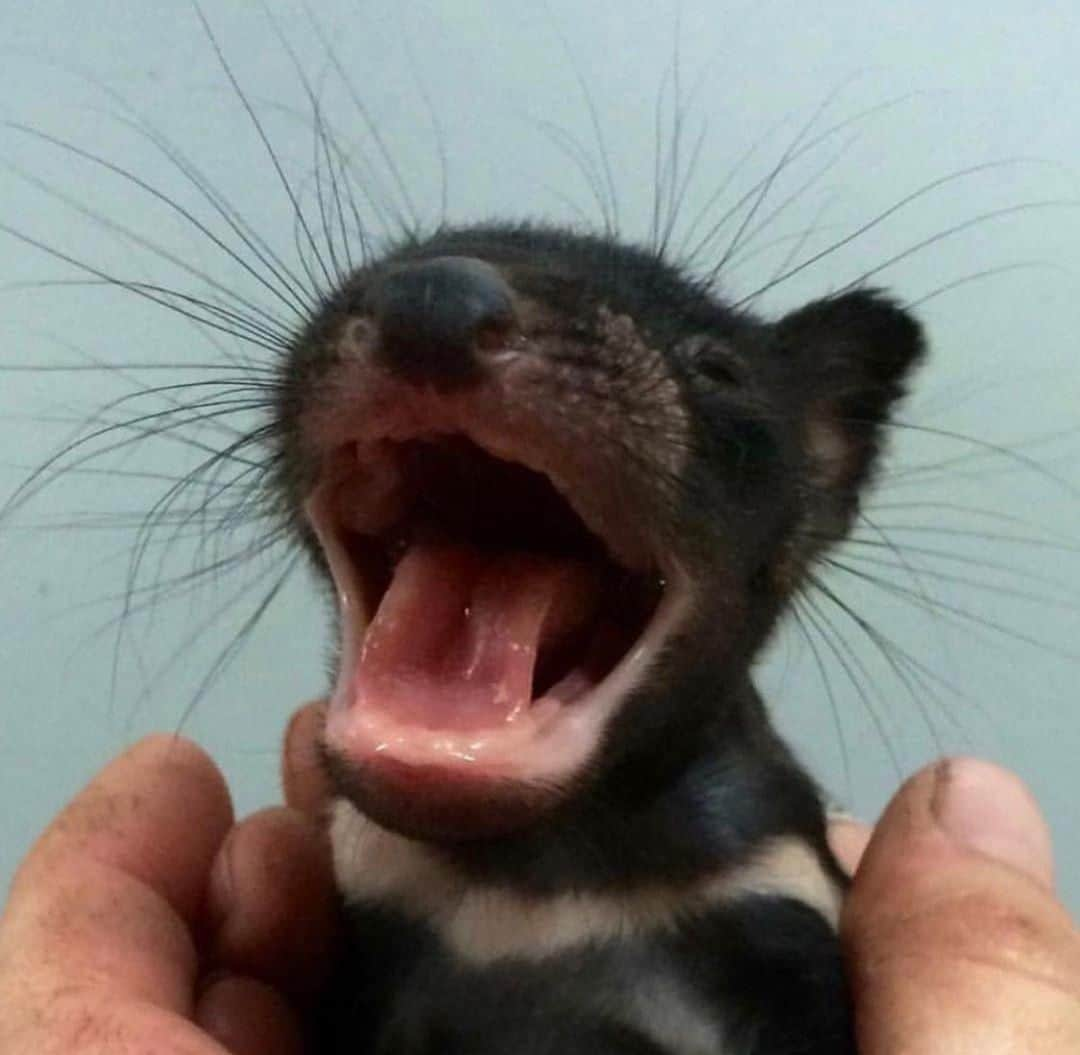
(454, 642)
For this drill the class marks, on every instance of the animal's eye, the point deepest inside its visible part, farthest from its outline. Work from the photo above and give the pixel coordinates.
(714, 360)
(719, 371)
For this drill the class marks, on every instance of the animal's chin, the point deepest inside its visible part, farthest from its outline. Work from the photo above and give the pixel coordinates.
(488, 635)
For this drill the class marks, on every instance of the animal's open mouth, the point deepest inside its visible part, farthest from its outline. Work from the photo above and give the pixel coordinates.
(488, 633)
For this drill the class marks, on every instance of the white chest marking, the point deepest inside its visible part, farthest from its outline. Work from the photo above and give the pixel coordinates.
(485, 923)
(676, 1022)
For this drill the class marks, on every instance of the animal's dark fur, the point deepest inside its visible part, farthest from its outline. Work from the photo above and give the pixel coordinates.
(766, 971)
(782, 426)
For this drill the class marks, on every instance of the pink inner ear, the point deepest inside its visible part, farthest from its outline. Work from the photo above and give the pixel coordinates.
(455, 641)
(832, 456)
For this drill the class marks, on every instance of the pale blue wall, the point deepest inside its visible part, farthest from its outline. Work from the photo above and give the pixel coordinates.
(951, 86)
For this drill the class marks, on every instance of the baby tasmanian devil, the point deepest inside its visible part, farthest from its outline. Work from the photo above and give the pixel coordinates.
(562, 494)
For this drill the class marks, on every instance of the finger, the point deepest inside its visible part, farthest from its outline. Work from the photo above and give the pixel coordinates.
(156, 814)
(307, 786)
(72, 1026)
(106, 895)
(248, 1017)
(955, 941)
(848, 839)
(95, 947)
(272, 899)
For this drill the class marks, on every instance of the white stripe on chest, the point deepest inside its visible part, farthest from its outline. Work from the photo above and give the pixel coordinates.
(484, 923)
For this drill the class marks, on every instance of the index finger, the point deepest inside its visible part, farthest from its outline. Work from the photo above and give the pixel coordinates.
(107, 896)
(303, 776)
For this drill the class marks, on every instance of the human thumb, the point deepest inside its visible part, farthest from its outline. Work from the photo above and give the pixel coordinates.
(954, 938)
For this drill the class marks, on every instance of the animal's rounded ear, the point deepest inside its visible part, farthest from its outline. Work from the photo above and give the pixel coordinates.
(847, 359)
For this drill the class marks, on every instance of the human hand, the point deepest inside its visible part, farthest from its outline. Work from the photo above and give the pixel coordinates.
(120, 939)
(953, 937)
(146, 920)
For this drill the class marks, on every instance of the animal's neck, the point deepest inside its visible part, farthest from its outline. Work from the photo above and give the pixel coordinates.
(483, 922)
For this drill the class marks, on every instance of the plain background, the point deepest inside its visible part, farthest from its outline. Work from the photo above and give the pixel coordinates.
(952, 625)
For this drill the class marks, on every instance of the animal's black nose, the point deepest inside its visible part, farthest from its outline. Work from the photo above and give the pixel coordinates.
(435, 316)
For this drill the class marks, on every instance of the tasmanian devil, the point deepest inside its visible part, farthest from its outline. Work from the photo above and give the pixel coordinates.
(561, 493)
